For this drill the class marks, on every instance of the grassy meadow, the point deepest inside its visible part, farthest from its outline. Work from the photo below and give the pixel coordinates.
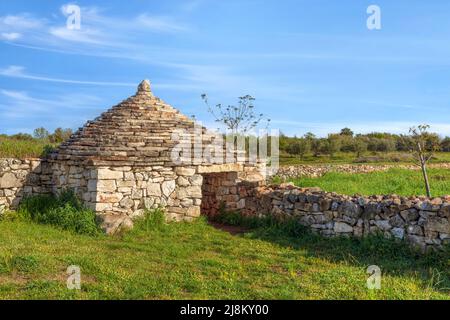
(197, 261)
(394, 181)
(365, 158)
(13, 148)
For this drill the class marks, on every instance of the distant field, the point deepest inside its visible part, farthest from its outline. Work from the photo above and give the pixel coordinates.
(197, 261)
(398, 181)
(11, 148)
(369, 157)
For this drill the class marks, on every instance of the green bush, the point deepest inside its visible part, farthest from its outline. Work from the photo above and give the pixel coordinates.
(65, 211)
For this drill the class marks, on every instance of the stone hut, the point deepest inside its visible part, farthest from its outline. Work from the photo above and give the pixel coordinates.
(128, 160)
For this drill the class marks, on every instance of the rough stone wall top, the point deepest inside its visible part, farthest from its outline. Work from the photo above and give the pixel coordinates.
(138, 130)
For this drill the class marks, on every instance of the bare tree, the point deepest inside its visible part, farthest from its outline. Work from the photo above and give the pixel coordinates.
(423, 149)
(239, 119)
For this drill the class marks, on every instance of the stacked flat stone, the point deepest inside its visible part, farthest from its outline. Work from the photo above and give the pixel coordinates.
(423, 222)
(138, 131)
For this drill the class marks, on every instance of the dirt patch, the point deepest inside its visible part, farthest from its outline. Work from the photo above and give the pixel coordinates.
(233, 230)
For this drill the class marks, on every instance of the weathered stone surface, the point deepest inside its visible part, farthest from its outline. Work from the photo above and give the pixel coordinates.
(398, 232)
(108, 197)
(168, 187)
(397, 221)
(106, 186)
(351, 209)
(112, 223)
(341, 227)
(437, 224)
(107, 174)
(415, 229)
(127, 203)
(181, 171)
(154, 189)
(9, 180)
(383, 225)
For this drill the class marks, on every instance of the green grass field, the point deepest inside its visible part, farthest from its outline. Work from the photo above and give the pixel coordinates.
(366, 158)
(394, 181)
(197, 261)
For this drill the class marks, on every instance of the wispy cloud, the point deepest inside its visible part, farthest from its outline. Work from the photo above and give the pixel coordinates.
(22, 21)
(20, 104)
(20, 72)
(159, 23)
(10, 36)
(96, 29)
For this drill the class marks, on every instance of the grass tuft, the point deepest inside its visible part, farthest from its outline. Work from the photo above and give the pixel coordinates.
(64, 211)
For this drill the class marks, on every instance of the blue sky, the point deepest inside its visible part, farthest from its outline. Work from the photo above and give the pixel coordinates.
(311, 65)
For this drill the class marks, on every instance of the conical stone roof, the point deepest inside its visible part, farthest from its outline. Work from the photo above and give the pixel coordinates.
(139, 130)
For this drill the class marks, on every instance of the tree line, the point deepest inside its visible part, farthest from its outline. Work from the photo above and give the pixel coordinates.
(59, 135)
(347, 141)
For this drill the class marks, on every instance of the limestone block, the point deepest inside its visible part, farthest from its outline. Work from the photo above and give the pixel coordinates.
(111, 223)
(9, 180)
(193, 211)
(183, 182)
(384, 225)
(196, 180)
(154, 189)
(136, 194)
(187, 202)
(168, 187)
(106, 185)
(126, 183)
(182, 171)
(340, 227)
(128, 176)
(100, 207)
(36, 166)
(108, 197)
(437, 224)
(398, 232)
(148, 203)
(107, 174)
(127, 203)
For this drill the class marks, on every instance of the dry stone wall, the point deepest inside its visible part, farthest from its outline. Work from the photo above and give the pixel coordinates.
(119, 194)
(21, 177)
(296, 171)
(423, 222)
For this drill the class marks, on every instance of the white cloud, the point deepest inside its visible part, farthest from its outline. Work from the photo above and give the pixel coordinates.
(19, 72)
(21, 21)
(100, 34)
(12, 71)
(19, 95)
(85, 35)
(159, 23)
(10, 36)
(19, 104)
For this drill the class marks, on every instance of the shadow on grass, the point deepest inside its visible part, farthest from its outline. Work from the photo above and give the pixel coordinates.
(394, 257)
